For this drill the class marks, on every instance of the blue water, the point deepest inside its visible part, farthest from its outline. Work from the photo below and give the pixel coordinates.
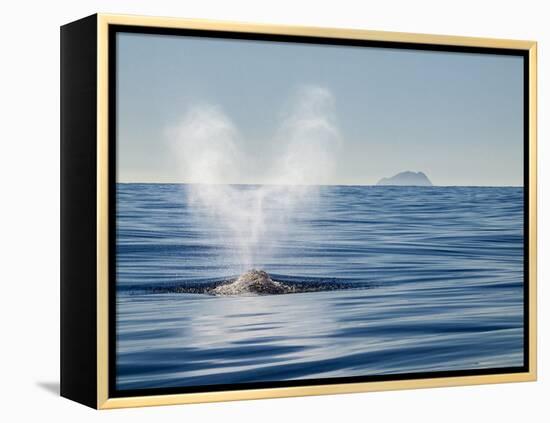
(436, 278)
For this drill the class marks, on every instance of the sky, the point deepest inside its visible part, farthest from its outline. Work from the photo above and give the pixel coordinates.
(457, 117)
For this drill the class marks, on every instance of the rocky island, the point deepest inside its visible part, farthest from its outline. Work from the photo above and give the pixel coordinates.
(407, 179)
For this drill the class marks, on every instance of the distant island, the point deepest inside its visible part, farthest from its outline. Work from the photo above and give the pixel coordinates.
(407, 179)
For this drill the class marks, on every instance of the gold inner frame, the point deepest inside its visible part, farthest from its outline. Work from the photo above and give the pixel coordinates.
(103, 400)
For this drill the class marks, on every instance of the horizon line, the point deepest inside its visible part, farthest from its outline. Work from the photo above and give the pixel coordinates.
(318, 185)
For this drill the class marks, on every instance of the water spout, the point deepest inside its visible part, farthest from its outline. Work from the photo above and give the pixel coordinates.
(254, 218)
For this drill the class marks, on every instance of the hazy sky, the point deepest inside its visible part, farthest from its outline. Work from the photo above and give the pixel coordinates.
(457, 117)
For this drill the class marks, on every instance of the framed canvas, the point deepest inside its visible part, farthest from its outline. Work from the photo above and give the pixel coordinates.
(255, 211)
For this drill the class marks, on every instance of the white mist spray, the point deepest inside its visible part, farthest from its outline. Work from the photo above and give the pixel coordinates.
(256, 219)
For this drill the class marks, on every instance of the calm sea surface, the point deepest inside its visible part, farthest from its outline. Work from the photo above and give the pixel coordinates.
(436, 276)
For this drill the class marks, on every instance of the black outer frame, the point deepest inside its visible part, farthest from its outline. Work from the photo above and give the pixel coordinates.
(79, 211)
(79, 114)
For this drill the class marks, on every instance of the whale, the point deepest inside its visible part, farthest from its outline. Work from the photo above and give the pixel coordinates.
(255, 282)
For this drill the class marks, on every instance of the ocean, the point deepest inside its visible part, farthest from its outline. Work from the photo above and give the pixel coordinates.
(404, 280)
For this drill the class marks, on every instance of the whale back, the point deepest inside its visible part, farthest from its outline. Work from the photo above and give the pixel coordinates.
(252, 282)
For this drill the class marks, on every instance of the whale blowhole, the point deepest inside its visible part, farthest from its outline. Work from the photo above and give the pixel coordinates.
(252, 281)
